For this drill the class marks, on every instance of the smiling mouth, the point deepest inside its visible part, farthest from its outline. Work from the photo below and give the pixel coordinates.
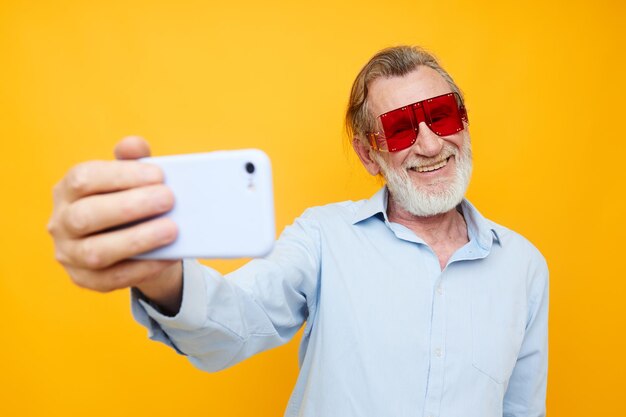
(433, 167)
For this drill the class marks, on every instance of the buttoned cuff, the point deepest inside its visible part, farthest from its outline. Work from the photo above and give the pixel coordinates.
(193, 309)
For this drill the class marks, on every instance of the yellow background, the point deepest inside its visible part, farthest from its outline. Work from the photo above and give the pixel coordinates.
(545, 90)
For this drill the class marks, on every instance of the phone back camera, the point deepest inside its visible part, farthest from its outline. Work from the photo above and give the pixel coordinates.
(249, 167)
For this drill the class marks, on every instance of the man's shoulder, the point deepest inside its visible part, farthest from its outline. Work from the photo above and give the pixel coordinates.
(341, 211)
(328, 219)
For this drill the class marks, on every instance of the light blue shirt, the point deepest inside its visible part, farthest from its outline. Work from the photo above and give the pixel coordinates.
(387, 333)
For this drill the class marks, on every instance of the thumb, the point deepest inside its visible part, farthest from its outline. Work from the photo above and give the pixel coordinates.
(132, 147)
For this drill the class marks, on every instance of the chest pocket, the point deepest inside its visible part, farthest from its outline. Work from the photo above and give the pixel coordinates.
(498, 323)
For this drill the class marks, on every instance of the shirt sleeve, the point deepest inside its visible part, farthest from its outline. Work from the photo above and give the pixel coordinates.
(526, 392)
(225, 319)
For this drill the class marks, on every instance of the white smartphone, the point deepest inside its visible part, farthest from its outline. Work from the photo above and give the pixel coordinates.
(224, 205)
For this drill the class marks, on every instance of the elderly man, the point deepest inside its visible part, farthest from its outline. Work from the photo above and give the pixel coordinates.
(413, 303)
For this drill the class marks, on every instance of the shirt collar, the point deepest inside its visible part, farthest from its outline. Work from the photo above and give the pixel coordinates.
(377, 204)
(478, 227)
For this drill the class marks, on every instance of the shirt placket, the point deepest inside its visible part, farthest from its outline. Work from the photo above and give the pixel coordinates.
(434, 388)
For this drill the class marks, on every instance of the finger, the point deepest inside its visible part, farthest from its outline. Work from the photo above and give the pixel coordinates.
(132, 147)
(124, 274)
(95, 177)
(105, 249)
(103, 211)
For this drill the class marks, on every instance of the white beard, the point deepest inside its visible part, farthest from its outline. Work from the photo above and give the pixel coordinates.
(424, 201)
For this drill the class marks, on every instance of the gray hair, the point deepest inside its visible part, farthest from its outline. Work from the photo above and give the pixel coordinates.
(396, 61)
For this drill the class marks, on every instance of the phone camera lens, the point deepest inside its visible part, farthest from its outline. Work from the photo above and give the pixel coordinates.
(249, 167)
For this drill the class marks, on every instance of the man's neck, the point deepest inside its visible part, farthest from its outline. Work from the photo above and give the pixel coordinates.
(444, 233)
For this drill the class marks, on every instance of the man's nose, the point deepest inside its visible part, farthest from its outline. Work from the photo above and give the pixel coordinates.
(427, 143)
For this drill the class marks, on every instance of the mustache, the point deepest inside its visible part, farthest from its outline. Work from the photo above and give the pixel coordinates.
(419, 161)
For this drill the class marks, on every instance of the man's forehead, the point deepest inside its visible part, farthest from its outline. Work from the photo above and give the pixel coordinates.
(389, 93)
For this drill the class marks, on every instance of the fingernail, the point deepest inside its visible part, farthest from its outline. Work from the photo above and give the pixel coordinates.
(151, 173)
(163, 200)
(166, 233)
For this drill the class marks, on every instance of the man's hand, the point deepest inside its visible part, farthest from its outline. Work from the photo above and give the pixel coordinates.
(92, 201)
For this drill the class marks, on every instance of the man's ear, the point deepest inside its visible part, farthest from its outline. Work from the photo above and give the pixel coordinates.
(363, 152)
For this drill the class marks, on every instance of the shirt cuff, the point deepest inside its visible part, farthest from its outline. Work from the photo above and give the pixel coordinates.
(193, 309)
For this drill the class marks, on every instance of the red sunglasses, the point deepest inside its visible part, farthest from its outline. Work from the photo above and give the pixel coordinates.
(444, 115)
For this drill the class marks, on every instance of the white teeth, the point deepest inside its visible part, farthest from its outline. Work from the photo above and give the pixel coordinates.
(438, 165)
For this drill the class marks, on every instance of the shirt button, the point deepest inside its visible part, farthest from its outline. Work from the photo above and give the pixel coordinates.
(440, 290)
(438, 353)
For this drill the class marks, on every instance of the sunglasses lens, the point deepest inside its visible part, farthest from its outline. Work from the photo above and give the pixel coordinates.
(400, 129)
(442, 115)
